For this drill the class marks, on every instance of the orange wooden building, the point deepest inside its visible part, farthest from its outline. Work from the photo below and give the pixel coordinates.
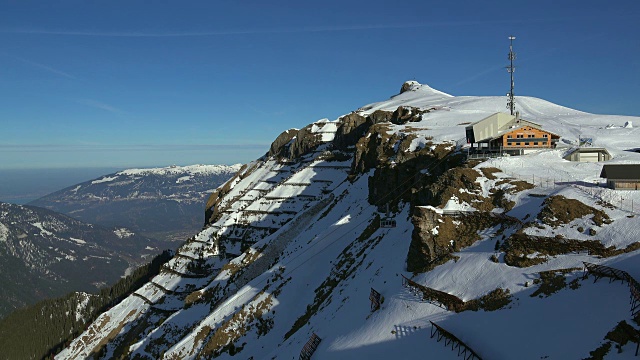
(506, 134)
(528, 137)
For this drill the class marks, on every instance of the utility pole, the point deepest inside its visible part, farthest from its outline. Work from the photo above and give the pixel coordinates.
(511, 104)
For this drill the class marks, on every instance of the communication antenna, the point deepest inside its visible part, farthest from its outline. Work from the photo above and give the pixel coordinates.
(511, 103)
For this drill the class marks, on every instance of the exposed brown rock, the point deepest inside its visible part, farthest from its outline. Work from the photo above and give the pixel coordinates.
(404, 114)
(304, 142)
(558, 210)
(279, 145)
(407, 86)
(380, 116)
(372, 149)
(352, 127)
(428, 246)
(423, 248)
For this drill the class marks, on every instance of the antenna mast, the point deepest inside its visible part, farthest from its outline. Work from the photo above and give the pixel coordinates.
(511, 104)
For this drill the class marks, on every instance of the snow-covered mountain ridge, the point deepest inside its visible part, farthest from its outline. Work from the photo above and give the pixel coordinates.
(160, 202)
(293, 245)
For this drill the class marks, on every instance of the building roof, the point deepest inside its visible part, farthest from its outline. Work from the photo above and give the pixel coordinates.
(495, 125)
(621, 171)
(501, 133)
(589, 150)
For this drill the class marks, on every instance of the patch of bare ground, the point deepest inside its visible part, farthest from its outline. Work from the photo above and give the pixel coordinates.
(552, 281)
(558, 210)
(235, 269)
(622, 334)
(100, 349)
(516, 186)
(522, 250)
(489, 172)
(257, 314)
(461, 183)
(201, 296)
(410, 129)
(494, 300)
(430, 248)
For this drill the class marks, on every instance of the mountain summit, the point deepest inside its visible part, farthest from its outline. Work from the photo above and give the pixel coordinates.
(297, 256)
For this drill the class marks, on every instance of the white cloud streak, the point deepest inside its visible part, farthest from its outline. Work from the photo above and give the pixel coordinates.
(47, 68)
(143, 34)
(101, 106)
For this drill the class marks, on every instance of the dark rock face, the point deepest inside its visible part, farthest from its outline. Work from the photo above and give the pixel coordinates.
(423, 244)
(280, 145)
(304, 142)
(428, 247)
(449, 184)
(398, 173)
(373, 149)
(292, 144)
(407, 86)
(380, 116)
(352, 128)
(404, 114)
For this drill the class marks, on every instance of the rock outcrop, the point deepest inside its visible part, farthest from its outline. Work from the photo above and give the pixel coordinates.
(408, 86)
(293, 143)
(280, 145)
(352, 127)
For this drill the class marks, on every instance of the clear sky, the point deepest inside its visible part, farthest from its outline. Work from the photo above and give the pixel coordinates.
(141, 83)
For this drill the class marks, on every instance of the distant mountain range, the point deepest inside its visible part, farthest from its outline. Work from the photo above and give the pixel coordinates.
(44, 254)
(164, 203)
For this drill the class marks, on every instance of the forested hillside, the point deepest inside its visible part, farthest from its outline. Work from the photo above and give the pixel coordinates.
(43, 329)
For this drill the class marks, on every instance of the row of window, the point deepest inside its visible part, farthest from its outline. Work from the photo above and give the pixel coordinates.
(535, 143)
(520, 136)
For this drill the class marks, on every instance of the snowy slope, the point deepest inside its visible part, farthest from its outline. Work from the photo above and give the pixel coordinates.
(295, 250)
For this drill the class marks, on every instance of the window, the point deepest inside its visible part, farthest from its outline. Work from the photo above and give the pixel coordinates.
(519, 136)
(508, 136)
(545, 136)
(517, 144)
(530, 136)
(535, 143)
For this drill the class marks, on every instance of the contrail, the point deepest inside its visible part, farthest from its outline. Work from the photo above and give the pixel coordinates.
(101, 106)
(143, 34)
(47, 68)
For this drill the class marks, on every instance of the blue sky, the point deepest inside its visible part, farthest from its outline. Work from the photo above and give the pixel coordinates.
(127, 83)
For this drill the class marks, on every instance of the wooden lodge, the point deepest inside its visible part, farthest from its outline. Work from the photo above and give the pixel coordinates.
(503, 134)
(622, 176)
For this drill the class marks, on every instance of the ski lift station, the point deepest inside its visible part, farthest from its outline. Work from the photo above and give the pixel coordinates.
(589, 154)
